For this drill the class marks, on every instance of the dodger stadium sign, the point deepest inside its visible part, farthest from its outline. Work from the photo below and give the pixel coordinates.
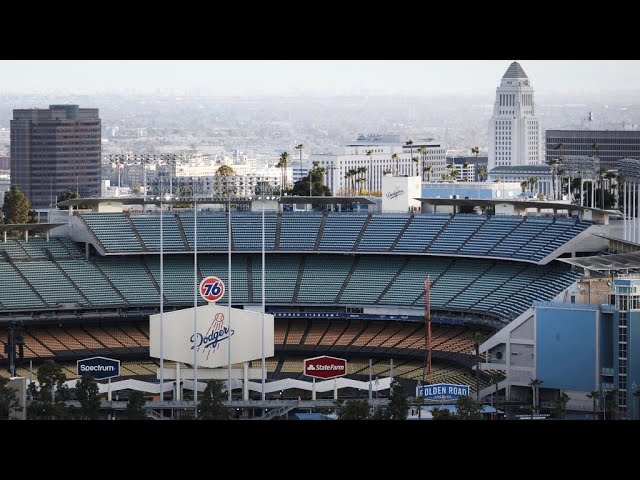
(442, 391)
(212, 337)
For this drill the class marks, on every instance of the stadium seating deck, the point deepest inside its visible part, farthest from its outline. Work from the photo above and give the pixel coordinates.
(503, 236)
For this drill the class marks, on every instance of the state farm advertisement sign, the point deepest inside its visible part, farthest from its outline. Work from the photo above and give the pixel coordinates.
(325, 367)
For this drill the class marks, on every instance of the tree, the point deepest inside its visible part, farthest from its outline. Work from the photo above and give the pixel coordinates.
(594, 396)
(135, 406)
(354, 410)
(52, 392)
(211, 405)
(535, 387)
(398, 404)
(427, 170)
(395, 157)
(496, 378)
(532, 182)
(442, 414)
(8, 399)
(419, 403)
(611, 398)
(299, 147)
(477, 338)
(475, 151)
(561, 404)
(553, 163)
(423, 154)
(16, 206)
(282, 165)
(468, 409)
(482, 173)
(370, 182)
(416, 160)
(410, 144)
(523, 185)
(223, 174)
(361, 171)
(87, 393)
(68, 195)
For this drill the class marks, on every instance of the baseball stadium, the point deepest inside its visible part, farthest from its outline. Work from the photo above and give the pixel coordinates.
(348, 283)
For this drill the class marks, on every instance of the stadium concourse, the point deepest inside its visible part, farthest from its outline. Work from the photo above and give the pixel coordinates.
(347, 284)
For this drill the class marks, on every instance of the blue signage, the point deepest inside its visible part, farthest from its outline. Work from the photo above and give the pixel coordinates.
(442, 391)
(99, 367)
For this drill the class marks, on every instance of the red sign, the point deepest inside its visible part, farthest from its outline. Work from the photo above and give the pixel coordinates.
(325, 367)
(211, 289)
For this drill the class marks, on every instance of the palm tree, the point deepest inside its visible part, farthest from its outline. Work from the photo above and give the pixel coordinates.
(560, 147)
(361, 171)
(353, 172)
(535, 386)
(427, 169)
(482, 173)
(496, 378)
(300, 147)
(602, 173)
(395, 157)
(611, 177)
(553, 163)
(475, 151)
(561, 404)
(613, 394)
(465, 165)
(284, 160)
(347, 175)
(370, 153)
(594, 396)
(316, 171)
(532, 181)
(454, 175)
(416, 160)
(477, 337)
(410, 144)
(523, 185)
(423, 153)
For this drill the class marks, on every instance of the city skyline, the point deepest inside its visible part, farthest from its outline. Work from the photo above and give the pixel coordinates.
(282, 77)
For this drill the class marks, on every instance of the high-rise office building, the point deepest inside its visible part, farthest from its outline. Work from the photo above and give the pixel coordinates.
(608, 145)
(514, 131)
(54, 150)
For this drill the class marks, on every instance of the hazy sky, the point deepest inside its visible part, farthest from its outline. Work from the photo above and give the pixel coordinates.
(251, 77)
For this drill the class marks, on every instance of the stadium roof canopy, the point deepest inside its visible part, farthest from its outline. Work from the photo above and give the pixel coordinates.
(619, 261)
(326, 200)
(94, 202)
(29, 227)
(520, 206)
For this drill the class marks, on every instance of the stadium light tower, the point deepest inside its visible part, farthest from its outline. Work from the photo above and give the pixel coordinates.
(228, 289)
(167, 197)
(195, 296)
(263, 188)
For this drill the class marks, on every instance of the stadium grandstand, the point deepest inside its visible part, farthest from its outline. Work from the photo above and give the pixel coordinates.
(348, 284)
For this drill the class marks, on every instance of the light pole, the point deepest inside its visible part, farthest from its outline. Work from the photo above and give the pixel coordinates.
(264, 366)
(195, 296)
(229, 286)
(167, 197)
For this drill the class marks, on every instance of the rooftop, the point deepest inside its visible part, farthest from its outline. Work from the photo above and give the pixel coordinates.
(515, 71)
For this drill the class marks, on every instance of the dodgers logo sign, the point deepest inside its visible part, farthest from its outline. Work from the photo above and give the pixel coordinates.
(396, 193)
(209, 341)
(98, 367)
(211, 289)
(442, 391)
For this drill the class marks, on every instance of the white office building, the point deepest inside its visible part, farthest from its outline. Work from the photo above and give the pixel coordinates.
(375, 153)
(514, 131)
